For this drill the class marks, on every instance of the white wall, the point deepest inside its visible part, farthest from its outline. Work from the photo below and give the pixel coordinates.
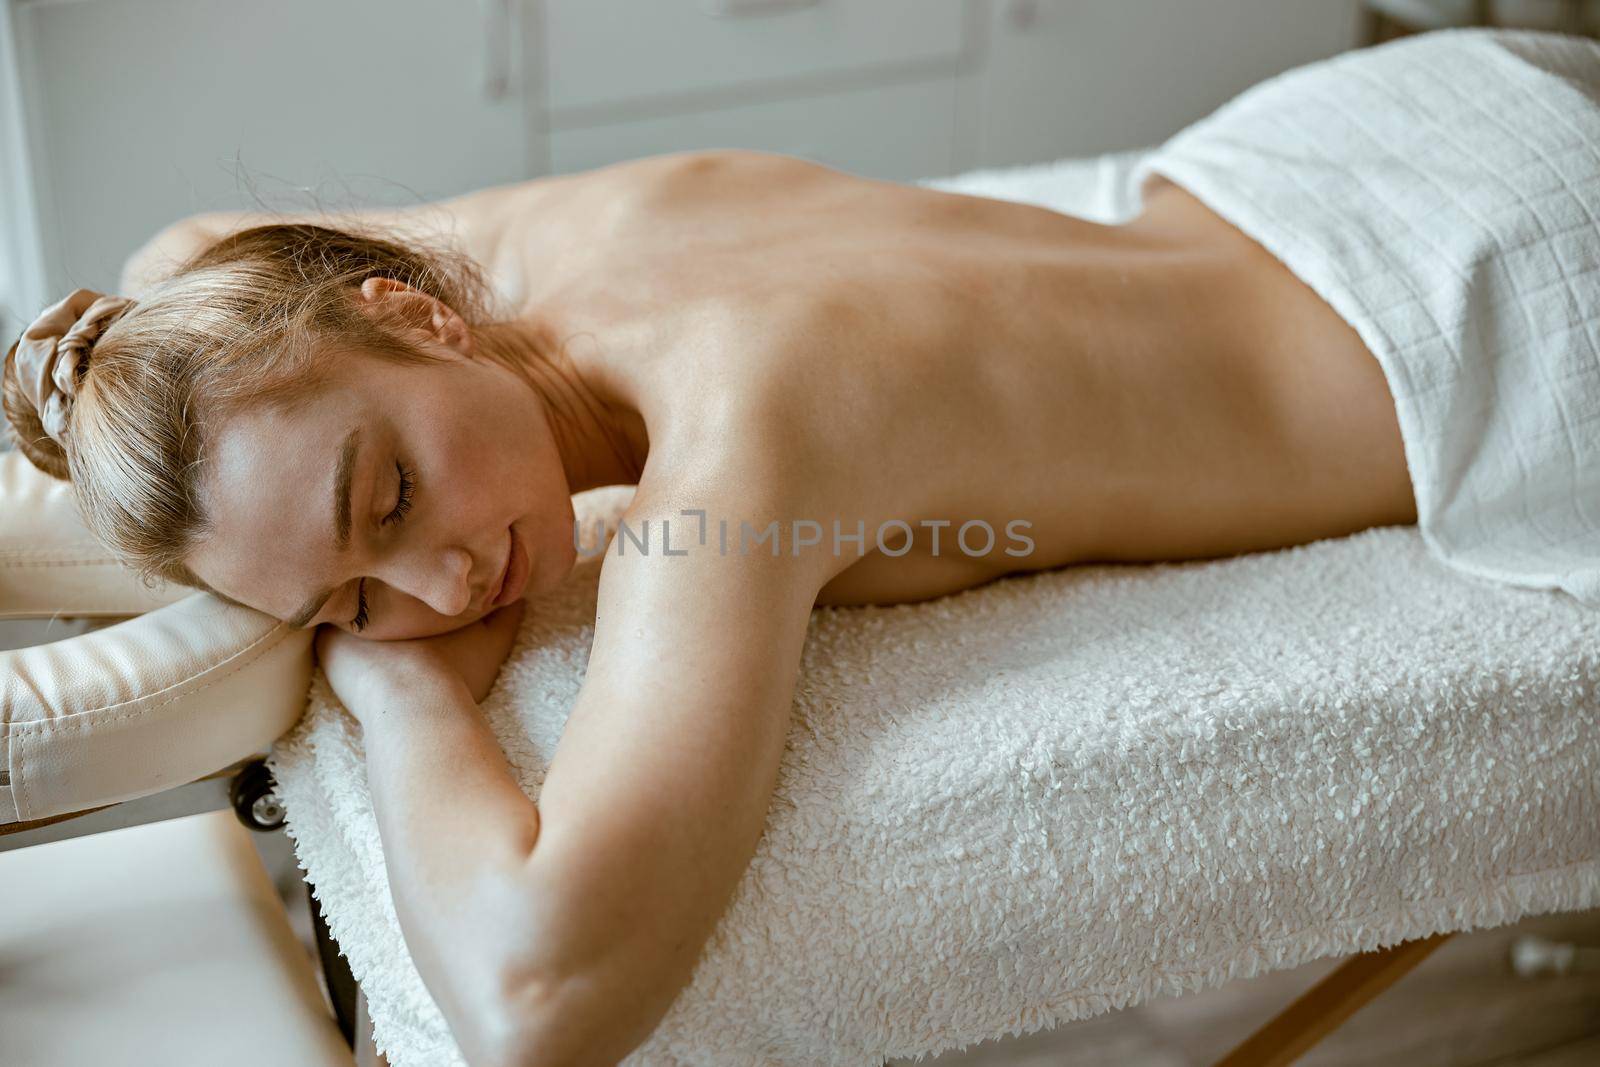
(22, 285)
(1089, 77)
(138, 112)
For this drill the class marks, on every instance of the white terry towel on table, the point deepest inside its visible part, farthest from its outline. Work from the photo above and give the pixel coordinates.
(1069, 792)
(1064, 793)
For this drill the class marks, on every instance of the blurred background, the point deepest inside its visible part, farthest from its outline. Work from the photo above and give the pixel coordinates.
(120, 116)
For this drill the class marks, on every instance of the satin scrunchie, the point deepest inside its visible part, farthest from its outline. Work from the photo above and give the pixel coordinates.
(53, 353)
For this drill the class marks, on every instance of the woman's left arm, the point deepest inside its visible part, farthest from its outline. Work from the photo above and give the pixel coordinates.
(560, 934)
(658, 792)
(455, 825)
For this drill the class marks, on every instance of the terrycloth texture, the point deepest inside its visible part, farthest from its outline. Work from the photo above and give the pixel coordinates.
(1442, 194)
(1069, 792)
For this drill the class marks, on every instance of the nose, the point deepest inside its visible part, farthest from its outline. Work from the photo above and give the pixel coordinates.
(440, 579)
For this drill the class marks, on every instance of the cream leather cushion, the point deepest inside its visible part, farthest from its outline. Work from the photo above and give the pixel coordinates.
(49, 562)
(157, 944)
(186, 688)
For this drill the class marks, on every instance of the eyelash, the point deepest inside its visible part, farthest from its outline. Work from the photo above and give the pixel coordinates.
(408, 486)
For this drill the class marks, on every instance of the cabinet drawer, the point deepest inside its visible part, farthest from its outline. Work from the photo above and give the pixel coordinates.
(609, 52)
(143, 112)
(898, 132)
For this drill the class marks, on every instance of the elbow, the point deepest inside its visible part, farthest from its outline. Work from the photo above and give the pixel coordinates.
(571, 987)
(164, 253)
(560, 1025)
(520, 1033)
(524, 1031)
(506, 1035)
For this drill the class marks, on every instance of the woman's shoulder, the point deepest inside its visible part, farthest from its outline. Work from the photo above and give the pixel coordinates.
(704, 162)
(713, 178)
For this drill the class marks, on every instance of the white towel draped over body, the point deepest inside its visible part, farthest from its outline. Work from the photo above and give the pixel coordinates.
(1068, 792)
(1442, 194)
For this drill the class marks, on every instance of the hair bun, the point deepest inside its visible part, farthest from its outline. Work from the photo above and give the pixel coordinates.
(23, 427)
(44, 368)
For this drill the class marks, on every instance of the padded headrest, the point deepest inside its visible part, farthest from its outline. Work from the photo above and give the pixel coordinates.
(145, 705)
(49, 562)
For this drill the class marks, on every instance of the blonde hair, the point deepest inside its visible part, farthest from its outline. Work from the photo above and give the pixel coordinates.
(251, 319)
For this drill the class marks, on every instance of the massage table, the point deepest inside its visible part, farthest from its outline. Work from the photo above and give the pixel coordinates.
(1035, 801)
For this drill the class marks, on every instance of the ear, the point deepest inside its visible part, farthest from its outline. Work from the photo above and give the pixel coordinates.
(413, 311)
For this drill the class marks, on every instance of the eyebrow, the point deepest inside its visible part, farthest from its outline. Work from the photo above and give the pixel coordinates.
(341, 522)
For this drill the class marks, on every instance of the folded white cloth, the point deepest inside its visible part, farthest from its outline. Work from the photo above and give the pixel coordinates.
(1442, 194)
(1064, 793)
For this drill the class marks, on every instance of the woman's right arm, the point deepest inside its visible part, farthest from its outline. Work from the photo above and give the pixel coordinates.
(161, 254)
(474, 223)
(164, 253)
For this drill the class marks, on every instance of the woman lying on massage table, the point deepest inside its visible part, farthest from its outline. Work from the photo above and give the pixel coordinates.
(336, 429)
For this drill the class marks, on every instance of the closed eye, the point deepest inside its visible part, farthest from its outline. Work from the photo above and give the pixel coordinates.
(408, 487)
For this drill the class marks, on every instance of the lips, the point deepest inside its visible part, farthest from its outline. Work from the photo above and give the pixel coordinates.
(515, 575)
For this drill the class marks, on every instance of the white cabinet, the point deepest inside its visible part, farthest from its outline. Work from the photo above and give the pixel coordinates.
(1075, 78)
(142, 111)
(610, 52)
(895, 131)
(138, 112)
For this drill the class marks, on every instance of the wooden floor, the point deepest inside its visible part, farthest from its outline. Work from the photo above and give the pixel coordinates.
(1462, 1007)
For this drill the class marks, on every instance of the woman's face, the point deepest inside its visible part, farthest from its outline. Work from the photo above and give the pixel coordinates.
(446, 462)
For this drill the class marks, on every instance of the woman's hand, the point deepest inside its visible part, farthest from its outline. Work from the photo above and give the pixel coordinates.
(366, 674)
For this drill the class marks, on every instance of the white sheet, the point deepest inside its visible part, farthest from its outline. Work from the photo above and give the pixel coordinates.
(1442, 194)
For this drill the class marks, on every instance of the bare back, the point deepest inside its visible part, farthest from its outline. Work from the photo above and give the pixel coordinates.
(1163, 389)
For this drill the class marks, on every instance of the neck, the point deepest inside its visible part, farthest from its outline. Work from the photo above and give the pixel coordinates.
(600, 440)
